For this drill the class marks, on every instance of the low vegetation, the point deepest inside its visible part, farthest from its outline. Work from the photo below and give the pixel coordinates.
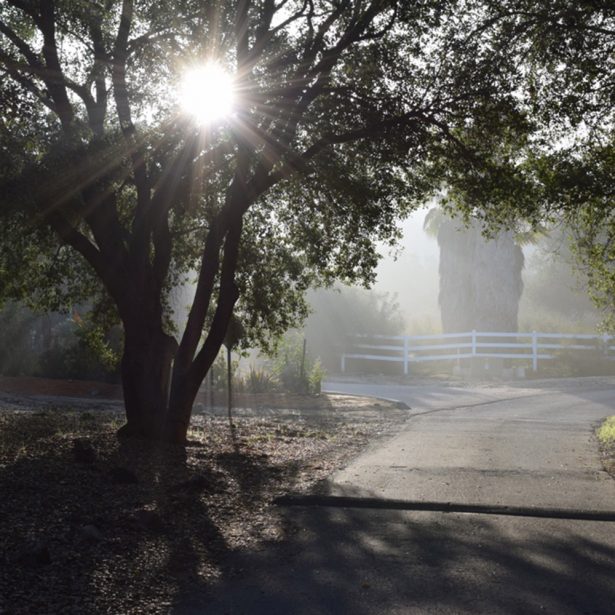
(606, 432)
(606, 437)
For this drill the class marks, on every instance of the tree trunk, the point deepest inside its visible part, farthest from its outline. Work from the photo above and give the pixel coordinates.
(188, 374)
(146, 371)
(480, 279)
(185, 389)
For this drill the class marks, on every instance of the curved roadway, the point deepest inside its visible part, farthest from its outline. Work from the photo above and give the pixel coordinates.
(498, 445)
(529, 447)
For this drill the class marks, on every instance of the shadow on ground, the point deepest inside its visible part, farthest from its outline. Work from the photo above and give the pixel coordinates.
(121, 529)
(343, 560)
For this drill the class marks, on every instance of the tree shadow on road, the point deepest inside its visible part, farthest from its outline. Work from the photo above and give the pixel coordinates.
(343, 560)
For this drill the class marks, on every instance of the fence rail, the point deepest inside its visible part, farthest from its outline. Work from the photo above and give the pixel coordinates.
(407, 349)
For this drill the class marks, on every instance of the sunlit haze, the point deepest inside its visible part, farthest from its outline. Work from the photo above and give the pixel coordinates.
(207, 93)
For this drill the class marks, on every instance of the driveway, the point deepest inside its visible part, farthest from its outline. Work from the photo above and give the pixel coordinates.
(510, 446)
(491, 499)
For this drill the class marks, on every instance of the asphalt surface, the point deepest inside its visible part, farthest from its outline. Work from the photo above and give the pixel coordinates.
(491, 499)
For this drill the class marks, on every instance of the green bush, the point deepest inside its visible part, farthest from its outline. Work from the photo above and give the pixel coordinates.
(316, 376)
(75, 361)
(18, 356)
(606, 432)
(82, 351)
(296, 370)
(260, 381)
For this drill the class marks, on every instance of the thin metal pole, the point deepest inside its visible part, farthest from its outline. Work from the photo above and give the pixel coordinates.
(302, 372)
(211, 386)
(229, 383)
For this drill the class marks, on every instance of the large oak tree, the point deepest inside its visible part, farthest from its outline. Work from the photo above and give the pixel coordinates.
(348, 112)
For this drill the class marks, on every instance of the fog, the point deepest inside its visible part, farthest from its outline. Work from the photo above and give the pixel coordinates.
(512, 289)
(553, 292)
(410, 273)
(403, 300)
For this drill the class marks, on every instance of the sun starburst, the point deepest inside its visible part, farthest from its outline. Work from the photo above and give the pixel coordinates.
(207, 92)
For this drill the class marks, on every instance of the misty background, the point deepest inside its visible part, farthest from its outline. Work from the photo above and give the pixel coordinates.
(529, 287)
(405, 296)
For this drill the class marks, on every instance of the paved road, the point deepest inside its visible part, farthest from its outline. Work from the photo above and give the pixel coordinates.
(526, 449)
(508, 446)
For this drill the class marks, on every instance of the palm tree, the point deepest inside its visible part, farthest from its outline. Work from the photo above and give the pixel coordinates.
(480, 278)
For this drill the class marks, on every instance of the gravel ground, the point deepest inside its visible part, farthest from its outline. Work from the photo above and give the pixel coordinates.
(91, 526)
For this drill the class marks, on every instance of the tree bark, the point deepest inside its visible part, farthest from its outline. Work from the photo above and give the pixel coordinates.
(146, 370)
(185, 389)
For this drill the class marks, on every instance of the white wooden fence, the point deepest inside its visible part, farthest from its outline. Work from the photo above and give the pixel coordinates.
(532, 347)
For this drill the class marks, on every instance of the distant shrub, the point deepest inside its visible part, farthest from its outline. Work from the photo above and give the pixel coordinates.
(260, 381)
(572, 363)
(18, 355)
(296, 370)
(75, 361)
(316, 376)
(341, 312)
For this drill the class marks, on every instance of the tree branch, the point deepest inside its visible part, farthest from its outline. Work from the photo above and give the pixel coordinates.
(118, 73)
(140, 227)
(54, 77)
(12, 68)
(298, 162)
(98, 109)
(228, 294)
(78, 241)
(237, 202)
(28, 53)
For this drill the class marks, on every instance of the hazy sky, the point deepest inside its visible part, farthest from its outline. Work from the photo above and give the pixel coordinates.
(413, 275)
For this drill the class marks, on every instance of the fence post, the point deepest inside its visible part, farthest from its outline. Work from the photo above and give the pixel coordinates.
(606, 339)
(343, 363)
(535, 351)
(406, 355)
(473, 342)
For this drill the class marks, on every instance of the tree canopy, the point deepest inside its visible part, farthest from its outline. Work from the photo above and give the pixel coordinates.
(557, 168)
(348, 114)
(561, 170)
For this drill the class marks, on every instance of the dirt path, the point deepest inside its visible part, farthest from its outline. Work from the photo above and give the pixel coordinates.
(90, 526)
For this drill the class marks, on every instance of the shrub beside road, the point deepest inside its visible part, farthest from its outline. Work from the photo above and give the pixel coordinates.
(606, 437)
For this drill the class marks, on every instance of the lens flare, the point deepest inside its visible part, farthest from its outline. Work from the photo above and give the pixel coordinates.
(207, 93)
